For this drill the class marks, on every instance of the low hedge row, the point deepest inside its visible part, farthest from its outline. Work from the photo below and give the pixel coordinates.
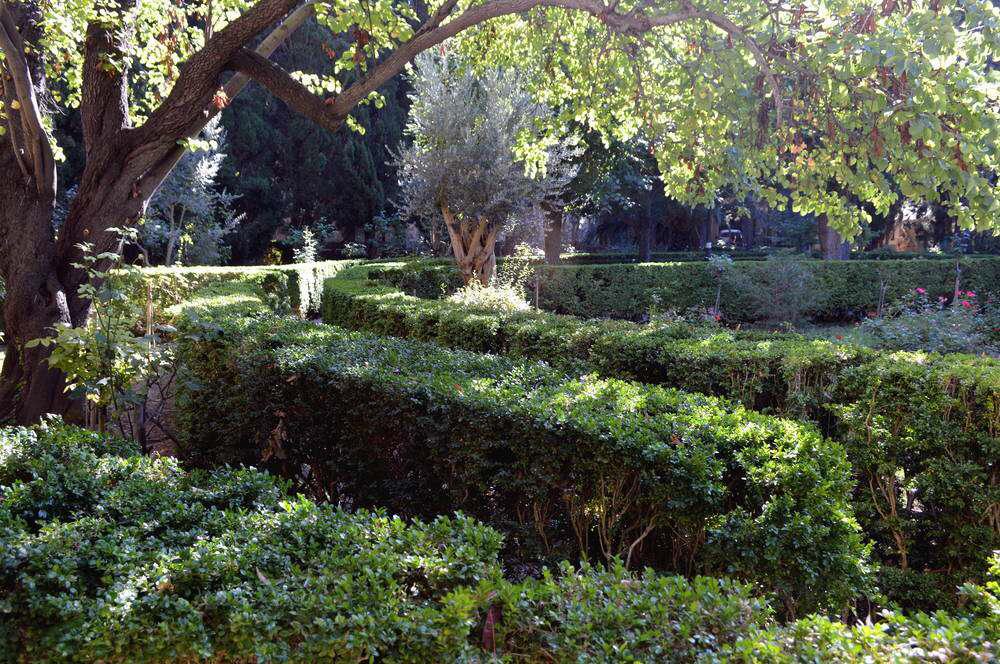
(567, 466)
(922, 431)
(604, 258)
(301, 283)
(107, 556)
(844, 290)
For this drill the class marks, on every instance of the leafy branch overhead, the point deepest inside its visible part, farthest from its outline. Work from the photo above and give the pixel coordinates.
(827, 97)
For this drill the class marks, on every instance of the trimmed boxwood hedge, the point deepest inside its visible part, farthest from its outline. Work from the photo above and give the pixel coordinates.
(112, 557)
(565, 465)
(922, 431)
(845, 290)
(300, 284)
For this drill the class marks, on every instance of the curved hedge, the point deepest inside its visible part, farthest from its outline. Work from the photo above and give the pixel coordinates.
(922, 431)
(844, 289)
(566, 465)
(110, 557)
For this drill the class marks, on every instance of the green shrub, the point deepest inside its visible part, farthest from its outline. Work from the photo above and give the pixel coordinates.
(884, 407)
(842, 290)
(895, 638)
(111, 557)
(917, 323)
(610, 616)
(106, 556)
(566, 465)
(298, 286)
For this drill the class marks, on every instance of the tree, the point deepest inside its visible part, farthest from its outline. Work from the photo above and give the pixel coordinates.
(800, 94)
(287, 168)
(188, 206)
(463, 163)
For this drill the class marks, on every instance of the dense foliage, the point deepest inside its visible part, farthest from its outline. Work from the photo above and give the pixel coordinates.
(921, 430)
(108, 556)
(567, 465)
(840, 290)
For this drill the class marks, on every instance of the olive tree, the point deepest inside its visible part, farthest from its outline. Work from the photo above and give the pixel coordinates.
(463, 163)
(809, 103)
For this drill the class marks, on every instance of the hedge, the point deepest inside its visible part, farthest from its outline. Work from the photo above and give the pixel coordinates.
(566, 465)
(108, 556)
(922, 431)
(844, 290)
(112, 557)
(604, 258)
(301, 283)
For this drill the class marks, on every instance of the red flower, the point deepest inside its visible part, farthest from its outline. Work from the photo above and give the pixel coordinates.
(840, 337)
(966, 304)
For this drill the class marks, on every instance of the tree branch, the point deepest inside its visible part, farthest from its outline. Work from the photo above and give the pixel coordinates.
(104, 93)
(425, 38)
(36, 140)
(281, 84)
(182, 113)
(157, 173)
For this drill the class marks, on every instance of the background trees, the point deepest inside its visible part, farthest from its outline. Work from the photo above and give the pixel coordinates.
(189, 214)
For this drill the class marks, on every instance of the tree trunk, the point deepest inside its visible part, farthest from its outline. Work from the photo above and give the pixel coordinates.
(474, 246)
(645, 230)
(553, 233)
(831, 244)
(35, 302)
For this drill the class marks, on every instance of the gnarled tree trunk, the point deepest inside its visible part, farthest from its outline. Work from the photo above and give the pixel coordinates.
(124, 167)
(474, 246)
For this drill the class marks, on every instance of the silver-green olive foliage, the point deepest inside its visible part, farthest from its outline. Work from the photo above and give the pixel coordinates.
(466, 133)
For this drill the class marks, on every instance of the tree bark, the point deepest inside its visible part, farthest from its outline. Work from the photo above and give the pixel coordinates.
(474, 247)
(645, 230)
(832, 245)
(553, 233)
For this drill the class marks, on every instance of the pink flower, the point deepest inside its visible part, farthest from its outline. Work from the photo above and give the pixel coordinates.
(970, 293)
(966, 304)
(922, 291)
